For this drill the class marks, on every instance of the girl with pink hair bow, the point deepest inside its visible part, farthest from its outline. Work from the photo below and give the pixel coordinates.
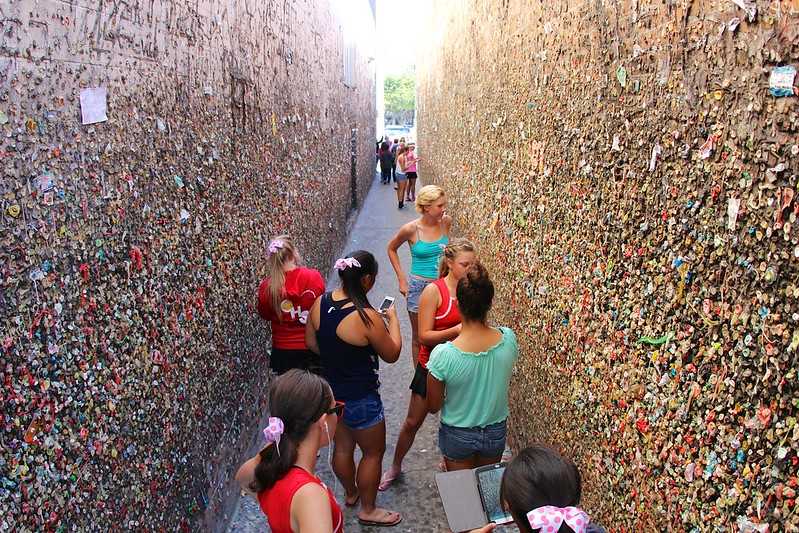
(541, 490)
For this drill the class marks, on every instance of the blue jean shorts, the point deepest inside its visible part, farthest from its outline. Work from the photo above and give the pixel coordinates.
(415, 288)
(363, 413)
(459, 444)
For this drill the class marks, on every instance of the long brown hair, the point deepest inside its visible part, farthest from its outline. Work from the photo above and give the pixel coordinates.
(351, 282)
(451, 251)
(284, 252)
(299, 398)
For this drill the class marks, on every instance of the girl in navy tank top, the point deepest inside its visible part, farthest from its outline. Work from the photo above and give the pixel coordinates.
(350, 337)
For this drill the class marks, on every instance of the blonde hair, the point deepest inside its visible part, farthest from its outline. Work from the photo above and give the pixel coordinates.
(451, 251)
(427, 195)
(284, 252)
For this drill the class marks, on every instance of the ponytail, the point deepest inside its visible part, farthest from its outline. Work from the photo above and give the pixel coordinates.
(451, 251)
(299, 398)
(351, 277)
(279, 252)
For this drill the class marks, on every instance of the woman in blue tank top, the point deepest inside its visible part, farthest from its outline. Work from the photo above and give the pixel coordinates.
(426, 236)
(350, 336)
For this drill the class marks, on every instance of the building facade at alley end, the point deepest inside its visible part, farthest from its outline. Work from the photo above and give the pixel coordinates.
(149, 150)
(628, 172)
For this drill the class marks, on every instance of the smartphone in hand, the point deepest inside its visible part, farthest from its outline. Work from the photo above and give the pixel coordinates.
(388, 301)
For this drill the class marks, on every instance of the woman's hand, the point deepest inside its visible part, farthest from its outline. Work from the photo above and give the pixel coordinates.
(391, 313)
(403, 287)
(485, 529)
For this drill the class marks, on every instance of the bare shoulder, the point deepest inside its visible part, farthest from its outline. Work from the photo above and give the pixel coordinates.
(408, 229)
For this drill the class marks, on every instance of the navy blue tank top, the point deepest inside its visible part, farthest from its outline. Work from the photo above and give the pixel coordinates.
(351, 370)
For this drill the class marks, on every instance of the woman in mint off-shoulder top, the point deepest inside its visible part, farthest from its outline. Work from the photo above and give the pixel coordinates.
(474, 370)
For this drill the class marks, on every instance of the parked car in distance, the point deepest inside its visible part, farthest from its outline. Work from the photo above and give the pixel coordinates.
(395, 132)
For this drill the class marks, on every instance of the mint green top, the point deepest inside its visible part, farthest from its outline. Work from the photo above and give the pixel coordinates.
(476, 384)
(426, 255)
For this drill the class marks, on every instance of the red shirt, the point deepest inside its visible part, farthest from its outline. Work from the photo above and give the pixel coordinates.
(276, 502)
(302, 287)
(447, 316)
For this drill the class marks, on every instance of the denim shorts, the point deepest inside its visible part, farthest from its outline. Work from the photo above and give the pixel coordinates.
(459, 444)
(399, 176)
(415, 288)
(363, 413)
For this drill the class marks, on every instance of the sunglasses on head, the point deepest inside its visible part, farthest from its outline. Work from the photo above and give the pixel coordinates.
(338, 409)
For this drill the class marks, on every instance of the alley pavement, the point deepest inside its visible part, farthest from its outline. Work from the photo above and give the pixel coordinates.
(413, 494)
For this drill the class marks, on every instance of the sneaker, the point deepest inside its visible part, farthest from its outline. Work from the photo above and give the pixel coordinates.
(399, 205)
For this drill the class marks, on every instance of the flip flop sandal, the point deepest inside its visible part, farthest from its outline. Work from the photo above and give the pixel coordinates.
(381, 524)
(385, 482)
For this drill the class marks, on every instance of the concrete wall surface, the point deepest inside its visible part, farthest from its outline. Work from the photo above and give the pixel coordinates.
(133, 365)
(628, 171)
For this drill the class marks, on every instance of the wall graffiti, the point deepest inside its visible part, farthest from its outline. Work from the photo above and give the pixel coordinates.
(628, 170)
(132, 224)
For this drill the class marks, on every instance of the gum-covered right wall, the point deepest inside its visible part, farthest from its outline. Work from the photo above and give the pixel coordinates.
(628, 171)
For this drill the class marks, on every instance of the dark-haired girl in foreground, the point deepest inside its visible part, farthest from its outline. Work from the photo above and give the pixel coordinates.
(304, 418)
(474, 370)
(350, 335)
(542, 491)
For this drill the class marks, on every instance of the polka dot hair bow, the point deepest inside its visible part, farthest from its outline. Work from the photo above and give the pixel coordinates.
(273, 431)
(346, 262)
(549, 518)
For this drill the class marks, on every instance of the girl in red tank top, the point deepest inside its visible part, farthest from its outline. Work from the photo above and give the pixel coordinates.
(304, 419)
(284, 298)
(439, 321)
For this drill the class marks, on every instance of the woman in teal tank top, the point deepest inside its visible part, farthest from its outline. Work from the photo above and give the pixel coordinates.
(426, 237)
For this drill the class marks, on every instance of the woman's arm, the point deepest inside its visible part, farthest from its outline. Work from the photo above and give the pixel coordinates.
(403, 235)
(310, 510)
(387, 341)
(428, 303)
(246, 474)
(435, 393)
(312, 326)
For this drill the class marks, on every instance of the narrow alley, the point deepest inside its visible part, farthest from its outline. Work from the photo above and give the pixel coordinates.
(626, 173)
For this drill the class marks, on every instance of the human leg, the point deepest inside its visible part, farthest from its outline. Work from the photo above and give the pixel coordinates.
(411, 193)
(417, 412)
(372, 441)
(344, 462)
(401, 185)
(414, 318)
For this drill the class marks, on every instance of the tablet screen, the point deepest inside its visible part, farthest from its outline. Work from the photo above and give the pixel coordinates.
(489, 479)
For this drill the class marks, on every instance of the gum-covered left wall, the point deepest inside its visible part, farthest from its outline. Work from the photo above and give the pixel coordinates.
(148, 152)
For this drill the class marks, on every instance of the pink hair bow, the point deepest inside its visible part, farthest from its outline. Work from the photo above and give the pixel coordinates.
(549, 518)
(275, 246)
(346, 262)
(273, 431)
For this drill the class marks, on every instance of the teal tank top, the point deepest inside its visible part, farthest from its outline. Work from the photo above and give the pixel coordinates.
(425, 256)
